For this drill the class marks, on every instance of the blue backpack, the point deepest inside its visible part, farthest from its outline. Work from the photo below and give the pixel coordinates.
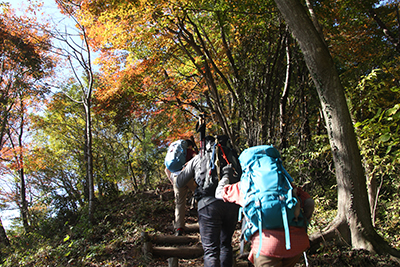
(176, 155)
(268, 194)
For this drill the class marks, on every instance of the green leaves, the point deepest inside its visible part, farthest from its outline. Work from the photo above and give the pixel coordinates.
(393, 111)
(384, 138)
(66, 238)
(376, 112)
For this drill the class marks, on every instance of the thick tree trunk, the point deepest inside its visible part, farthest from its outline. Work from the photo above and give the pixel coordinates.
(353, 206)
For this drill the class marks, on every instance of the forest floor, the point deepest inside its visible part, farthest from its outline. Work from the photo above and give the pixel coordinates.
(159, 221)
(117, 239)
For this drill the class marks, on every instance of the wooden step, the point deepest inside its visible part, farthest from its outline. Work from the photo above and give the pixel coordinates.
(182, 252)
(175, 240)
(192, 228)
(189, 227)
(152, 245)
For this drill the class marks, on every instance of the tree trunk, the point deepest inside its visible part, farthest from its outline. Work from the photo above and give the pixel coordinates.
(133, 177)
(3, 235)
(353, 206)
(82, 55)
(373, 190)
(372, 195)
(284, 97)
(89, 163)
(24, 203)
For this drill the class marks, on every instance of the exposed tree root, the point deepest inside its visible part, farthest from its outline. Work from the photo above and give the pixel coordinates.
(338, 232)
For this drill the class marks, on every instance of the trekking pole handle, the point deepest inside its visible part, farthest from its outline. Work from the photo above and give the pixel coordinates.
(201, 128)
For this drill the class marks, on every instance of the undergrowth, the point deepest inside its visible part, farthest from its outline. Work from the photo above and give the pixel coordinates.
(115, 240)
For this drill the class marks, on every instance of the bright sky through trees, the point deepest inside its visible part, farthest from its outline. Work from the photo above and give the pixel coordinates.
(49, 12)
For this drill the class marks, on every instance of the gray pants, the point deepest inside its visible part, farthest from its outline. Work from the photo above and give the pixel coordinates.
(180, 200)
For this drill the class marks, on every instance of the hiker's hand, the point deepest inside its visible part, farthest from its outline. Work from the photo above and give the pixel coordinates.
(309, 206)
(220, 188)
(227, 171)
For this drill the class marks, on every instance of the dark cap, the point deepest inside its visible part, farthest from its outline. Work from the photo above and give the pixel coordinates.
(189, 142)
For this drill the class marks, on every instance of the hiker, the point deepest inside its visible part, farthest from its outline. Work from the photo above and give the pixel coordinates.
(217, 219)
(273, 251)
(180, 194)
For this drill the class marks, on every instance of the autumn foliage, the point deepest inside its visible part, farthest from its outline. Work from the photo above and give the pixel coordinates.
(158, 66)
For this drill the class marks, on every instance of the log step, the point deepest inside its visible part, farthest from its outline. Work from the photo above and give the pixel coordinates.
(182, 252)
(176, 240)
(192, 228)
(189, 227)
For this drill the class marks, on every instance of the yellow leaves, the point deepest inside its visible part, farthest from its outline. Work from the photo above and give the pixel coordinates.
(147, 82)
(198, 60)
(66, 238)
(151, 53)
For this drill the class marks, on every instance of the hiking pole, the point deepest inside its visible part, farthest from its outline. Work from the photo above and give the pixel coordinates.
(201, 128)
(195, 148)
(217, 163)
(243, 228)
(305, 258)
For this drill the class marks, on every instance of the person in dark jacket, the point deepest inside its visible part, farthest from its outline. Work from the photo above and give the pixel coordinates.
(217, 219)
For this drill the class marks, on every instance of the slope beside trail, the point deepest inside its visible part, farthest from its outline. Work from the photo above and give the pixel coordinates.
(151, 213)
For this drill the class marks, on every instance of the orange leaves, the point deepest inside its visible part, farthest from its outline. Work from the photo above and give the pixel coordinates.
(12, 157)
(22, 44)
(25, 60)
(164, 58)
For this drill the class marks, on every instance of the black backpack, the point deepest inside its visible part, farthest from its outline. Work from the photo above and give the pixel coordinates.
(218, 153)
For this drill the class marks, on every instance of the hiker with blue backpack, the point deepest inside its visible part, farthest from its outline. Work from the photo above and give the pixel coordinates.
(179, 152)
(217, 219)
(275, 212)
